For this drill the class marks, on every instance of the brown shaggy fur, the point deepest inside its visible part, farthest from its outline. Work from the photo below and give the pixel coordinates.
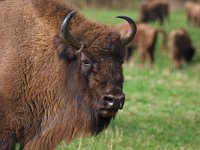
(144, 40)
(181, 46)
(154, 10)
(47, 93)
(192, 11)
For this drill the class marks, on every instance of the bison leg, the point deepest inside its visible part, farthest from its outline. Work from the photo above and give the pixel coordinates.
(129, 53)
(152, 58)
(143, 54)
(161, 19)
(188, 19)
(177, 60)
(177, 64)
(151, 51)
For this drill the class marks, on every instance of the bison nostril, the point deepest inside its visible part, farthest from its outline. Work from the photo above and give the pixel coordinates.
(121, 101)
(120, 106)
(109, 100)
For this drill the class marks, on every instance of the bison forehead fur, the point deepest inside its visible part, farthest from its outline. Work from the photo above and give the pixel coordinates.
(48, 91)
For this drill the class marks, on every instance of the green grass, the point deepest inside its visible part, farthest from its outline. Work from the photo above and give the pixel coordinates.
(162, 109)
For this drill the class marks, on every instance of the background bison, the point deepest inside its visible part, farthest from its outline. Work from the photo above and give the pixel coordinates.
(154, 10)
(192, 10)
(181, 46)
(56, 84)
(144, 41)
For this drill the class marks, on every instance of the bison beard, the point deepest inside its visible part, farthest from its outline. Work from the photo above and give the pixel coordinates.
(56, 82)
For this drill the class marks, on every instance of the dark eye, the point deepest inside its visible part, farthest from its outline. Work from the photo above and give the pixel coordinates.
(86, 67)
(86, 62)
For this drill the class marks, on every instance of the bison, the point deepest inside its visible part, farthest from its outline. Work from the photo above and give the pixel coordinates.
(60, 74)
(181, 46)
(192, 11)
(155, 10)
(144, 40)
(188, 8)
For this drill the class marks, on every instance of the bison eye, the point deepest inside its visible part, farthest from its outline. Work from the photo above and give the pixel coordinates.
(86, 66)
(86, 62)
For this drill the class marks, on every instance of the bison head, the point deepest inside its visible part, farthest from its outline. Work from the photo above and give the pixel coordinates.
(94, 56)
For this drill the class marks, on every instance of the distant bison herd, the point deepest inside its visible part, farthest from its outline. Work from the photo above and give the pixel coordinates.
(60, 74)
(146, 36)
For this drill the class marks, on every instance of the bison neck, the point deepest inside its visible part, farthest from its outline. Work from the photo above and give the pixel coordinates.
(65, 114)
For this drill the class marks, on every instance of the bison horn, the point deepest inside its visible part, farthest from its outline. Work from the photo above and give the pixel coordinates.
(133, 31)
(66, 34)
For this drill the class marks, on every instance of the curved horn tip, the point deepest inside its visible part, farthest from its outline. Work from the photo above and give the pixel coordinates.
(133, 28)
(122, 17)
(68, 18)
(72, 13)
(65, 23)
(128, 19)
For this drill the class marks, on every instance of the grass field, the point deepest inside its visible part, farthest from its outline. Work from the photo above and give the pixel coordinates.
(162, 109)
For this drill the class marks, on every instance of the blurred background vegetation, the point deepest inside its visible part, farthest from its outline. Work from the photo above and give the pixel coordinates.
(120, 4)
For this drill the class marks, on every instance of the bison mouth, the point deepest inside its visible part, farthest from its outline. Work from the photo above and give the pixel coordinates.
(108, 112)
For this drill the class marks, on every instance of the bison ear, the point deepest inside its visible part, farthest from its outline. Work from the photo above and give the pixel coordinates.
(63, 49)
